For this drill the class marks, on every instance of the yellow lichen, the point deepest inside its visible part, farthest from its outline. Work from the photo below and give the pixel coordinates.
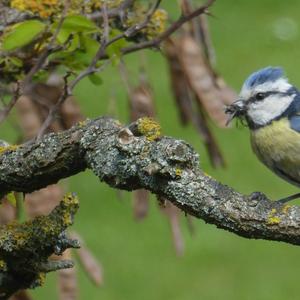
(70, 199)
(286, 208)
(149, 128)
(41, 279)
(178, 172)
(22, 235)
(157, 23)
(8, 148)
(44, 8)
(3, 265)
(47, 8)
(82, 123)
(273, 220)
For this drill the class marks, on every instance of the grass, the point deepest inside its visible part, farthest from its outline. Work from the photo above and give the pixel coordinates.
(138, 258)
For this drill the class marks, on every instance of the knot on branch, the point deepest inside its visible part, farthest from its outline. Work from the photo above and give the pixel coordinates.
(137, 156)
(25, 248)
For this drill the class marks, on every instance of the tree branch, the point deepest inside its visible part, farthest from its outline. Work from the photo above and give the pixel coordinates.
(25, 248)
(134, 157)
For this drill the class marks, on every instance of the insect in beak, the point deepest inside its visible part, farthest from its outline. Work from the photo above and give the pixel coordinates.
(236, 109)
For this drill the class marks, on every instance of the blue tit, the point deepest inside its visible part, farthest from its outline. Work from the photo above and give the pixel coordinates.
(270, 106)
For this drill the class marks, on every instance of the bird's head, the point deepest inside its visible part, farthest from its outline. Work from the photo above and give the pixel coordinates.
(266, 95)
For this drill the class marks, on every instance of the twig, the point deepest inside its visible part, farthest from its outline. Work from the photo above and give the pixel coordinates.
(104, 44)
(68, 88)
(128, 33)
(52, 112)
(175, 26)
(6, 110)
(138, 27)
(46, 51)
(119, 11)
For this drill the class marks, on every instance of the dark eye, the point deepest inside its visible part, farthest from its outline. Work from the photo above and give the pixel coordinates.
(260, 96)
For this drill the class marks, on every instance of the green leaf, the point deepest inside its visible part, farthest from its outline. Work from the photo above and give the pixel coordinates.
(74, 24)
(16, 61)
(89, 45)
(22, 34)
(95, 79)
(12, 199)
(114, 50)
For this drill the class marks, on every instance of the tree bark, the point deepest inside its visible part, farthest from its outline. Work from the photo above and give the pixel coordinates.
(130, 158)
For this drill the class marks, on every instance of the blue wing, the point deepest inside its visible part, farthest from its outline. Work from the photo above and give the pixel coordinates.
(295, 123)
(294, 113)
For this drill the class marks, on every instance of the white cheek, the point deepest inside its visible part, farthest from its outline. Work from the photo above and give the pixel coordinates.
(280, 85)
(262, 112)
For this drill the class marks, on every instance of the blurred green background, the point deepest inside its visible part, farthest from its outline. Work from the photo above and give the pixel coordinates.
(138, 258)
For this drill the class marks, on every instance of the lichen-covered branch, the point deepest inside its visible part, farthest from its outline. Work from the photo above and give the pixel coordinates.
(136, 157)
(25, 248)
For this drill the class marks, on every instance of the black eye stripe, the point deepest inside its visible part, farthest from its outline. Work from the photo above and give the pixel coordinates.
(265, 95)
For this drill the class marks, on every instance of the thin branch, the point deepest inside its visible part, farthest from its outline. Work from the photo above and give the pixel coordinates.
(36, 67)
(115, 12)
(104, 44)
(47, 50)
(130, 32)
(6, 110)
(101, 53)
(154, 43)
(174, 27)
(53, 110)
(68, 88)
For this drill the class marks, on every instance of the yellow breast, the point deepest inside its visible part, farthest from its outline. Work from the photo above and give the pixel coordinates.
(278, 147)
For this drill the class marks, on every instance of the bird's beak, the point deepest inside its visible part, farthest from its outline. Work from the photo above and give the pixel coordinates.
(236, 109)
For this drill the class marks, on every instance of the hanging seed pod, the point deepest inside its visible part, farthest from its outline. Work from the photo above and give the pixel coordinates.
(202, 35)
(201, 124)
(184, 98)
(89, 263)
(227, 93)
(67, 280)
(200, 79)
(21, 295)
(173, 214)
(141, 102)
(141, 105)
(179, 84)
(43, 201)
(7, 211)
(140, 204)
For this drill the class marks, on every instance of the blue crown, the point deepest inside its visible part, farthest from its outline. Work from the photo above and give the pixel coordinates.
(263, 75)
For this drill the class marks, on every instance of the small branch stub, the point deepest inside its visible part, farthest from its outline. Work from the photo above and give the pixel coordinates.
(25, 248)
